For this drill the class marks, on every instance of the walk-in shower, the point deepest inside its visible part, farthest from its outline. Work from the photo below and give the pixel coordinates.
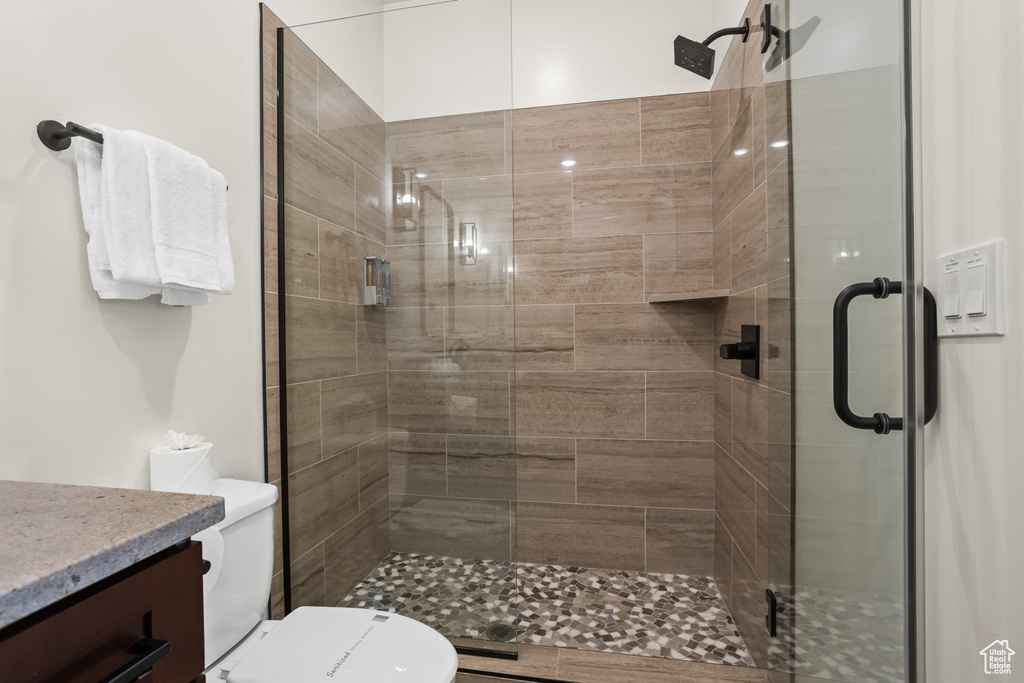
(538, 442)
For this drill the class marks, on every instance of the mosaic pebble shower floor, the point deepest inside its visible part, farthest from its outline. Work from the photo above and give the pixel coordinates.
(656, 615)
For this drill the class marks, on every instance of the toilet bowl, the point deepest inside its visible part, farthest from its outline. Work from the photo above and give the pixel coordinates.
(310, 645)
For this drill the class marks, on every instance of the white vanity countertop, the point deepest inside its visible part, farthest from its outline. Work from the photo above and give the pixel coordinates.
(56, 539)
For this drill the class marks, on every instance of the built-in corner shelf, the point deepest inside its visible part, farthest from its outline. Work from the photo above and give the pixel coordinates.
(706, 295)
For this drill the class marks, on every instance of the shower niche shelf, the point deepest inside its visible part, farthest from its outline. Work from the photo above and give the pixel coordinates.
(706, 295)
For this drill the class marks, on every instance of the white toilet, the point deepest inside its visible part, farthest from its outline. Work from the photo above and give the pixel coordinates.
(312, 644)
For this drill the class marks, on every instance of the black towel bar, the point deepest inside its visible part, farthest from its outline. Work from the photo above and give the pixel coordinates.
(57, 136)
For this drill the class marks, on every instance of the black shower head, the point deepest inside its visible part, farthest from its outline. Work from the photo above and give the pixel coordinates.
(699, 57)
(695, 57)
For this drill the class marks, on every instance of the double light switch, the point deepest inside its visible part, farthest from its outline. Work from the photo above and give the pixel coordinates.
(971, 292)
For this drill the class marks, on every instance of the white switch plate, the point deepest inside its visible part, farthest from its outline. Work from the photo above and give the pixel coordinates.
(988, 257)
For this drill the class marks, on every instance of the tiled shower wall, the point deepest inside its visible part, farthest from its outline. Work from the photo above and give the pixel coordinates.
(610, 398)
(336, 363)
(752, 421)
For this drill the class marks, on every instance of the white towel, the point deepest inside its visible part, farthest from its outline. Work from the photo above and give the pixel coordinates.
(189, 214)
(126, 209)
(133, 201)
(88, 160)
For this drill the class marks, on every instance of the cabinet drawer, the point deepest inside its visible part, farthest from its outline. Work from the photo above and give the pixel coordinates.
(88, 636)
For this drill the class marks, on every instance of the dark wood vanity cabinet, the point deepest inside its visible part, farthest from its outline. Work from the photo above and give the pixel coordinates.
(144, 623)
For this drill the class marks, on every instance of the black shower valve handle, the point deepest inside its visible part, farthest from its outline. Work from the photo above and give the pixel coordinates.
(738, 351)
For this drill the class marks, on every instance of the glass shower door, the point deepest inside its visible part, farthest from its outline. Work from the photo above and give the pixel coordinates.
(397, 453)
(840, 568)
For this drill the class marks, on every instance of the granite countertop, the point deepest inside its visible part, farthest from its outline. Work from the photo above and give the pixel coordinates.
(56, 539)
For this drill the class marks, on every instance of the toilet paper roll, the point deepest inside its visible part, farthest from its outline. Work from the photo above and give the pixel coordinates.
(184, 471)
(213, 551)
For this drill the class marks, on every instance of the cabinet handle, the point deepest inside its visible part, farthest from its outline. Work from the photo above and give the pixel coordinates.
(148, 652)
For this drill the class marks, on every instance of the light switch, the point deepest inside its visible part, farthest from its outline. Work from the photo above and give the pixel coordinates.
(951, 303)
(974, 297)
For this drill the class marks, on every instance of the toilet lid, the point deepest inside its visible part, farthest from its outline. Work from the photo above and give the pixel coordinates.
(330, 644)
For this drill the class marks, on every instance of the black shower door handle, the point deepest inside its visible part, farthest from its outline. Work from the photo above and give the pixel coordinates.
(879, 288)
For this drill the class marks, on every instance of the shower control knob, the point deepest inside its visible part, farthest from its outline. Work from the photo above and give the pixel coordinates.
(738, 351)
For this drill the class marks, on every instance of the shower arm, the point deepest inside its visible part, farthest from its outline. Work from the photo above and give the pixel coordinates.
(743, 30)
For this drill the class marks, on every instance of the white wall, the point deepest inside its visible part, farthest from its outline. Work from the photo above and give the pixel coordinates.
(973, 174)
(87, 387)
(482, 55)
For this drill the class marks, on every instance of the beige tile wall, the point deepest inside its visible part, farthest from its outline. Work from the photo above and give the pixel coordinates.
(337, 349)
(610, 399)
(751, 255)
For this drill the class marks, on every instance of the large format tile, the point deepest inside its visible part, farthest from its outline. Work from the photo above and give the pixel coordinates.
(732, 171)
(546, 469)
(676, 128)
(354, 409)
(670, 474)
(299, 81)
(594, 404)
(748, 608)
(415, 338)
(544, 337)
(673, 336)
(269, 23)
(449, 401)
(734, 502)
(318, 178)
(749, 246)
(596, 536)
(457, 527)
(322, 499)
(594, 135)
(480, 337)
(750, 428)
(565, 271)
(348, 123)
(485, 202)
(270, 180)
(343, 263)
(373, 471)
(418, 463)
(676, 263)
(680, 541)
(481, 467)
(642, 199)
(681, 405)
(321, 339)
(449, 146)
(303, 428)
(422, 224)
(543, 205)
(441, 275)
(302, 263)
(308, 579)
(371, 206)
(354, 550)
(371, 339)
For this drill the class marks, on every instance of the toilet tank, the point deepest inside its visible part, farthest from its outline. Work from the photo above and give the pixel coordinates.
(240, 549)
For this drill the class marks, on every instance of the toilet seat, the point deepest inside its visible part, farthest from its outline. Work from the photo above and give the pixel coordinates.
(332, 644)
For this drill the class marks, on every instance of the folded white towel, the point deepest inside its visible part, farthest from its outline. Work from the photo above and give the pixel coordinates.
(88, 160)
(128, 223)
(189, 219)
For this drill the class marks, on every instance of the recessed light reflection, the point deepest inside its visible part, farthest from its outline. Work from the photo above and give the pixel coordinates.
(483, 250)
(511, 269)
(569, 163)
(740, 152)
(421, 176)
(779, 144)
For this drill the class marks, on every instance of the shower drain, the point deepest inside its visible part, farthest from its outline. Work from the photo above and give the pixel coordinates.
(500, 632)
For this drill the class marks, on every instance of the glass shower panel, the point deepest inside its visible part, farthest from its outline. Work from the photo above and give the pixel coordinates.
(401, 452)
(834, 103)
